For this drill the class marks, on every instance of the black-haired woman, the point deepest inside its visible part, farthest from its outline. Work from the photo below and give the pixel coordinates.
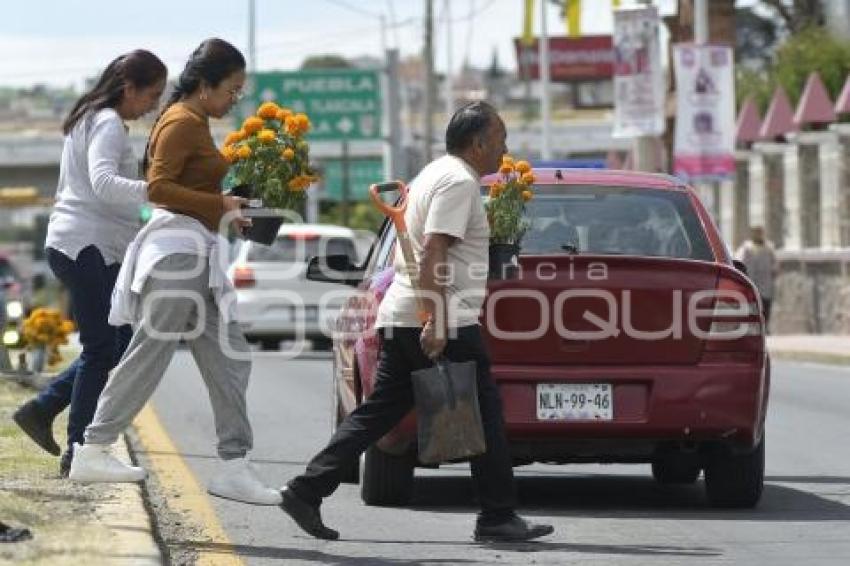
(175, 285)
(96, 216)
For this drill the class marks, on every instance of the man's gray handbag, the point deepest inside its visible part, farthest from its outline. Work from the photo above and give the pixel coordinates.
(447, 412)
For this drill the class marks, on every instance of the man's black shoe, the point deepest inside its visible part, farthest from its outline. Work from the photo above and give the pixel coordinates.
(37, 425)
(515, 529)
(306, 515)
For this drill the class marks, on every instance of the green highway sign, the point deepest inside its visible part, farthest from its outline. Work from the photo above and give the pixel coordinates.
(341, 103)
(362, 172)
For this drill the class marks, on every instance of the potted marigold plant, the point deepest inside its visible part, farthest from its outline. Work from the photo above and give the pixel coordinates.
(505, 207)
(44, 331)
(270, 165)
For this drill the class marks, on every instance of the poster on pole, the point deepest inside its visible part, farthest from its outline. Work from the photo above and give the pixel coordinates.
(638, 77)
(705, 112)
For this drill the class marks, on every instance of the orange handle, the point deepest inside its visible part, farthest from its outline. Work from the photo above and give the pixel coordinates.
(394, 213)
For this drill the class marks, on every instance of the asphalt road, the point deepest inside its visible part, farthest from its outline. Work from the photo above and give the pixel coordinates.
(602, 514)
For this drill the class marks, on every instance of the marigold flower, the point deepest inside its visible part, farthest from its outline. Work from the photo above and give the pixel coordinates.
(523, 167)
(229, 153)
(244, 152)
(506, 169)
(268, 110)
(527, 179)
(287, 154)
(266, 135)
(283, 114)
(496, 189)
(507, 160)
(234, 137)
(253, 124)
(527, 195)
(303, 121)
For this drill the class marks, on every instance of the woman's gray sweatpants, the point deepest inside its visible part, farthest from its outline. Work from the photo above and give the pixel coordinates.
(171, 307)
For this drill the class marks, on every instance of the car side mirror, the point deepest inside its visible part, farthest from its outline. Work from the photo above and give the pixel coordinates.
(335, 269)
(740, 266)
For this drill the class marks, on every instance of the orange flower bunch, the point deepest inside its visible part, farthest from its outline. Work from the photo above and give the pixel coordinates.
(506, 201)
(269, 152)
(45, 328)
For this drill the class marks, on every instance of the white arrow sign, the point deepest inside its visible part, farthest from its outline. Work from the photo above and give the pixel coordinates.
(345, 125)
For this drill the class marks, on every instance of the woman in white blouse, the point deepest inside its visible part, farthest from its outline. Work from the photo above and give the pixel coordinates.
(97, 213)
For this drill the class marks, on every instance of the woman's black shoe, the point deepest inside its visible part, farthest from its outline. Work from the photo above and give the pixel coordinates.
(37, 425)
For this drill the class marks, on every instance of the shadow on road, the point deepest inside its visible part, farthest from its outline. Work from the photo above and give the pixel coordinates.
(635, 497)
(318, 556)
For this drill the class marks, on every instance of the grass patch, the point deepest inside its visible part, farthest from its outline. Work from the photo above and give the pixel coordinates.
(32, 495)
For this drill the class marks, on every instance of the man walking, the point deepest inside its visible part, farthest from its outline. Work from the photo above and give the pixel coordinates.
(449, 234)
(760, 260)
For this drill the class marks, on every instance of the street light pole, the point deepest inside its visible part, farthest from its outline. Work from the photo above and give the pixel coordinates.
(428, 56)
(545, 101)
(252, 36)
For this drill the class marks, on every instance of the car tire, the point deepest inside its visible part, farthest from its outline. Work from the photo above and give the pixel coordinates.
(675, 470)
(735, 480)
(387, 479)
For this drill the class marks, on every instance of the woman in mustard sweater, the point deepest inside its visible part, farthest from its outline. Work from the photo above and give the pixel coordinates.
(173, 286)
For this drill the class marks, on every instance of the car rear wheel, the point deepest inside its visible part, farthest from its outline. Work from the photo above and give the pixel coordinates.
(672, 470)
(735, 480)
(387, 479)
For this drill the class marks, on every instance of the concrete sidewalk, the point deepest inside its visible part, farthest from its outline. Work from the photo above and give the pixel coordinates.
(823, 348)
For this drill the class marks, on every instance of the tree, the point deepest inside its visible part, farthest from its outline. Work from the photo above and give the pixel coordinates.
(325, 62)
(797, 15)
(813, 49)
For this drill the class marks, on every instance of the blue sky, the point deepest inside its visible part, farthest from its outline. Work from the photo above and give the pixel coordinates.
(63, 41)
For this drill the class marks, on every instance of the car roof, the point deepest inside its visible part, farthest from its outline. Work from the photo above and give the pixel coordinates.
(317, 229)
(609, 177)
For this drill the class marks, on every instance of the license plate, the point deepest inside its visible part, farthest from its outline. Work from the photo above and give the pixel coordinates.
(575, 402)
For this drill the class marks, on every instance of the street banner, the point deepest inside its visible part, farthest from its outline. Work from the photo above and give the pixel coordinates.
(705, 112)
(638, 76)
(586, 58)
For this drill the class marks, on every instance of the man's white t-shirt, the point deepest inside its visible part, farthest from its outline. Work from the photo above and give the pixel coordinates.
(444, 198)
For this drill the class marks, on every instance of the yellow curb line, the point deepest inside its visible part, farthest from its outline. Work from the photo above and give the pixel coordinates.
(175, 476)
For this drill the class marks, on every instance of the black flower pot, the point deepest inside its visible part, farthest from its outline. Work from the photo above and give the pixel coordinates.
(264, 227)
(504, 261)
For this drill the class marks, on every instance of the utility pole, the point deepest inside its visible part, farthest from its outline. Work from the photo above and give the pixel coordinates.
(450, 99)
(545, 100)
(428, 56)
(644, 148)
(394, 167)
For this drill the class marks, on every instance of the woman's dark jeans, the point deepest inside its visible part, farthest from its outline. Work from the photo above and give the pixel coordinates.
(90, 282)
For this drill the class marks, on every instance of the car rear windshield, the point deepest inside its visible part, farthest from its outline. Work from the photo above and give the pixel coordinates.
(295, 248)
(614, 220)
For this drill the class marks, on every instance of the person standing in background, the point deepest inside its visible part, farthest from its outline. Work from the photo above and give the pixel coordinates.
(759, 258)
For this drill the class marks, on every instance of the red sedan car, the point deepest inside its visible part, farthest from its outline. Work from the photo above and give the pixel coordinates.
(629, 336)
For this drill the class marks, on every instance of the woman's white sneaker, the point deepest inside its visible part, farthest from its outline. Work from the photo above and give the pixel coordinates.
(236, 480)
(96, 463)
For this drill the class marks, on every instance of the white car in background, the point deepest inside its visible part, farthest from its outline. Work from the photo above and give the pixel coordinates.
(275, 301)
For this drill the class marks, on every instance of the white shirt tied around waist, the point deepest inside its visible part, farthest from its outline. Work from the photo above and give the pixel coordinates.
(98, 196)
(167, 234)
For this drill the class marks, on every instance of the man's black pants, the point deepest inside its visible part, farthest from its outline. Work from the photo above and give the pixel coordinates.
(392, 398)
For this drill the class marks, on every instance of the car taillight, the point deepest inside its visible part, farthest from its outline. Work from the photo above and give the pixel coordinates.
(735, 321)
(243, 276)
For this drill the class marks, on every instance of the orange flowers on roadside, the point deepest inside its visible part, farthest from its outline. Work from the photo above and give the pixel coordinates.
(523, 167)
(244, 152)
(301, 182)
(252, 125)
(287, 154)
(527, 178)
(283, 114)
(297, 125)
(507, 199)
(268, 110)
